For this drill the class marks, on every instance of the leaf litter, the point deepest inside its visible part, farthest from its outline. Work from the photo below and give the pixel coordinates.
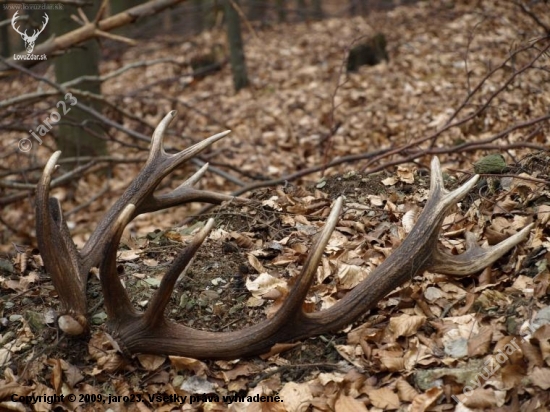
(425, 343)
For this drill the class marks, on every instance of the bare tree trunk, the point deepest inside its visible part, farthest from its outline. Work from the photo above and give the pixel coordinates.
(5, 40)
(317, 8)
(236, 49)
(357, 7)
(77, 132)
(199, 13)
(302, 9)
(256, 10)
(118, 6)
(281, 10)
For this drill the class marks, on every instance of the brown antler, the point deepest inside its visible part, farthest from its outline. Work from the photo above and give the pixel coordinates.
(69, 268)
(150, 332)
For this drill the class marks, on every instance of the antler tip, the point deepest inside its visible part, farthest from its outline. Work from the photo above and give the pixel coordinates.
(209, 224)
(339, 202)
(50, 167)
(523, 232)
(214, 138)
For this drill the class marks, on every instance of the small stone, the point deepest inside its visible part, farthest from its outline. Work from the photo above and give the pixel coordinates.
(15, 318)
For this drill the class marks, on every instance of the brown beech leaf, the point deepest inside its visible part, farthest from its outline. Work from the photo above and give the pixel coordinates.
(190, 364)
(151, 362)
(383, 398)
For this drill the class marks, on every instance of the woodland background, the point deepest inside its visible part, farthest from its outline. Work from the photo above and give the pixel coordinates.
(463, 80)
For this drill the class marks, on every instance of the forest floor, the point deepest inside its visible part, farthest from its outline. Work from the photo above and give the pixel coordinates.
(430, 342)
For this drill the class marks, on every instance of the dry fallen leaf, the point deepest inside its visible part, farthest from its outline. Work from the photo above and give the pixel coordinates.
(151, 362)
(384, 398)
(424, 401)
(182, 363)
(540, 377)
(263, 284)
(347, 403)
(405, 325)
(405, 391)
(296, 396)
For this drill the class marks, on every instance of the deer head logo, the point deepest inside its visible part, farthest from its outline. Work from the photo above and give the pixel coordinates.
(29, 40)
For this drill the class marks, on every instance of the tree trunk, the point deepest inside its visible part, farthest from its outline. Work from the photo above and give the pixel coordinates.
(118, 6)
(199, 14)
(301, 7)
(4, 37)
(281, 10)
(317, 6)
(256, 10)
(357, 7)
(236, 49)
(77, 131)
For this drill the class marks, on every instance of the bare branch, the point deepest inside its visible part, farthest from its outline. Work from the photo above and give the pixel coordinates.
(94, 29)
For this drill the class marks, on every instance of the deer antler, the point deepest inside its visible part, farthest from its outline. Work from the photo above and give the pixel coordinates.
(150, 332)
(69, 268)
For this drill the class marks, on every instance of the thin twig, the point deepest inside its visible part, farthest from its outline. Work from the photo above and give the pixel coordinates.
(526, 10)
(84, 205)
(448, 125)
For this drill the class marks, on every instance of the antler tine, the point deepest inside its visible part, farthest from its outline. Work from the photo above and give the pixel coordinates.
(46, 178)
(440, 198)
(158, 155)
(59, 254)
(475, 258)
(117, 302)
(292, 305)
(185, 193)
(156, 148)
(155, 309)
(195, 177)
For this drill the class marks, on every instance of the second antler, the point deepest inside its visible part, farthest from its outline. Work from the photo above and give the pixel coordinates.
(150, 332)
